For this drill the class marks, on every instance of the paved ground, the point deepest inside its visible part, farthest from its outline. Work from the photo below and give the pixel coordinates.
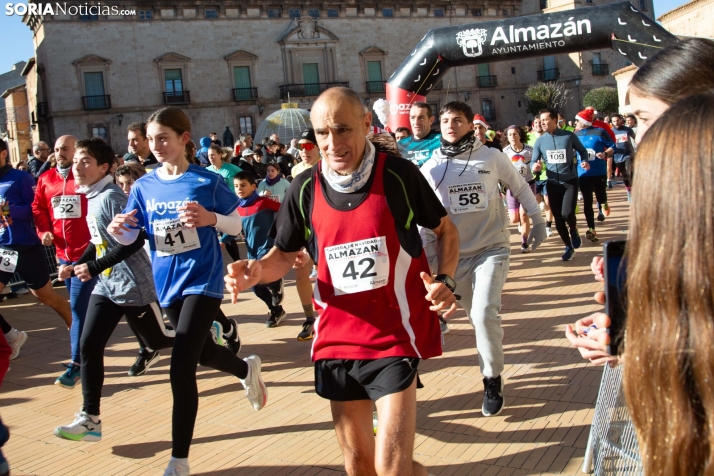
(550, 392)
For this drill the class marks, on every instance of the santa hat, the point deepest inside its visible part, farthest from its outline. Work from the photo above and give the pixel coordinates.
(586, 116)
(479, 119)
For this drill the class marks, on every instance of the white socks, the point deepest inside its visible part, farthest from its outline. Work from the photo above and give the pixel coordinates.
(12, 335)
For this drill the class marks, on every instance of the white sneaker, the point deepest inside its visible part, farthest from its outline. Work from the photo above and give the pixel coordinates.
(83, 428)
(17, 344)
(176, 469)
(548, 231)
(580, 196)
(255, 389)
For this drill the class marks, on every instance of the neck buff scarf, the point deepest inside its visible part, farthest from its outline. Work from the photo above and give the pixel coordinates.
(5, 169)
(357, 179)
(460, 146)
(246, 202)
(92, 190)
(272, 182)
(64, 172)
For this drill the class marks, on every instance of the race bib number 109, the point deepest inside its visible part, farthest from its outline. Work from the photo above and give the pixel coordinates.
(171, 238)
(557, 156)
(358, 266)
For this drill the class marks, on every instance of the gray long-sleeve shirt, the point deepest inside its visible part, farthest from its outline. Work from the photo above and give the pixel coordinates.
(558, 150)
(467, 186)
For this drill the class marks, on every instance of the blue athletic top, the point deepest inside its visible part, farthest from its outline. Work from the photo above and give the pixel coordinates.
(419, 150)
(199, 269)
(257, 219)
(594, 140)
(17, 190)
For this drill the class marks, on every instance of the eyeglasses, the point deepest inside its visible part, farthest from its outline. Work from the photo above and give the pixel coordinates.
(308, 146)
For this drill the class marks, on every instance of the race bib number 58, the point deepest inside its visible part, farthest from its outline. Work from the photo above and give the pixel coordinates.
(358, 266)
(171, 238)
(468, 197)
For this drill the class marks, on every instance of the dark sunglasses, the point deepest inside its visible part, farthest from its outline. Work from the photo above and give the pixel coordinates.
(306, 147)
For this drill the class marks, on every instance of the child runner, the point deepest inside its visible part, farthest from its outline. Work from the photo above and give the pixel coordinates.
(179, 205)
(520, 155)
(126, 289)
(258, 214)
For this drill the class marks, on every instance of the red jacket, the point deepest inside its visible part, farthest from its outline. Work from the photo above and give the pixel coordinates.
(71, 234)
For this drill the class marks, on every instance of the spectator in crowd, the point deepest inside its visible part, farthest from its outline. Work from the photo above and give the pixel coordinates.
(274, 186)
(214, 139)
(138, 147)
(38, 163)
(402, 133)
(22, 165)
(293, 150)
(222, 167)
(202, 154)
(284, 160)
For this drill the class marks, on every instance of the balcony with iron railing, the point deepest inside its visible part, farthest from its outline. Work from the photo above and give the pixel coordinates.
(551, 74)
(177, 97)
(486, 81)
(96, 102)
(245, 94)
(310, 89)
(601, 69)
(376, 86)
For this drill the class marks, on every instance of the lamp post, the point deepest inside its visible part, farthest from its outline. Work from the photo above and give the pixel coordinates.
(120, 117)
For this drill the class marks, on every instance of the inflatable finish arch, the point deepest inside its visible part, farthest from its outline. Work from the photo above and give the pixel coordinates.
(619, 26)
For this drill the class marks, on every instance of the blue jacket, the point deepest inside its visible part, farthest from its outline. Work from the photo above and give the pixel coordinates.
(17, 190)
(202, 154)
(595, 140)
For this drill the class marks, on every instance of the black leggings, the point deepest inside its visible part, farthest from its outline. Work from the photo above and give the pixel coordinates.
(192, 320)
(102, 317)
(232, 249)
(563, 197)
(625, 168)
(4, 326)
(265, 293)
(592, 185)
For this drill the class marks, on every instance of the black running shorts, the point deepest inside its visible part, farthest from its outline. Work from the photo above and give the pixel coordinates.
(31, 266)
(346, 380)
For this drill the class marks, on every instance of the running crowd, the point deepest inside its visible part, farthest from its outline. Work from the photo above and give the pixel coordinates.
(141, 236)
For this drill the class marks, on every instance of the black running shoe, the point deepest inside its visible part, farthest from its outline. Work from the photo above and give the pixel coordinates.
(276, 317)
(592, 236)
(143, 361)
(575, 239)
(600, 216)
(307, 332)
(493, 396)
(232, 340)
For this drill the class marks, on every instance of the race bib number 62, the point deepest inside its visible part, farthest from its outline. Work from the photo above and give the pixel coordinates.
(67, 206)
(358, 266)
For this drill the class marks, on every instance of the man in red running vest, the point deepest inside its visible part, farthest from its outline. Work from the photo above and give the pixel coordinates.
(357, 212)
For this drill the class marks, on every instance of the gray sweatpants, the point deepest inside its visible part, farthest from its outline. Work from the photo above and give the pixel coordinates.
(479, 281)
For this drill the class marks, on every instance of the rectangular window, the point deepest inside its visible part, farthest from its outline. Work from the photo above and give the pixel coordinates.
(597, 58)
(504, 12)
(488, 112)
(643, 5)
(246, 125)
(294, 13)
(438, 12)
(211, 13)
(274, 13)
(513, 70)
(484, 69)
(477, 12)
(242, 84)
(94, 91)
(173, 81)
(146, 15)
(543, 4)
(89, 17)
(375, 82)
(99, 131)
(387, 12)
(333, 13)
(313, 13)
(311, 79)
(519, 103)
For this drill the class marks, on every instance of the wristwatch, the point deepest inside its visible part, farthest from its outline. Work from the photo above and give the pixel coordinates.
(447, 280)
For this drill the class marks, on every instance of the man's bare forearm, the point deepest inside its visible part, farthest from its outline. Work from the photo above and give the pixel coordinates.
(275, 265)
(447, 247)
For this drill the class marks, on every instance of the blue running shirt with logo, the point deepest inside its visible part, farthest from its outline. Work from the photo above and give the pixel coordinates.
(595, 140)
(184, 260)
(419, 150)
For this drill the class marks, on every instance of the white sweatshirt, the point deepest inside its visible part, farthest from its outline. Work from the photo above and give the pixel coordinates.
(467, 186)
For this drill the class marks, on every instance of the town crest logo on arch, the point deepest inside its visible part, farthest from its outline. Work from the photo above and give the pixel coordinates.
(472, 41)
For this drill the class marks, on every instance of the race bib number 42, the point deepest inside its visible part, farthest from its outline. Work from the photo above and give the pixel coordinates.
(468, 197)
(8, 260)
(67, 206)
(171, 238)
(358, 266)
(556, 156)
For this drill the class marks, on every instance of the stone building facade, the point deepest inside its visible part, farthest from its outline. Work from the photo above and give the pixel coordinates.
(232, 63)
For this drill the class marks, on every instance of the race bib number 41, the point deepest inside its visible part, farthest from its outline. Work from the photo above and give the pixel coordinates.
(358, 266)
(8, 260)
(67, 206)
(171, 238)
(468, 197)
(556, 156)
